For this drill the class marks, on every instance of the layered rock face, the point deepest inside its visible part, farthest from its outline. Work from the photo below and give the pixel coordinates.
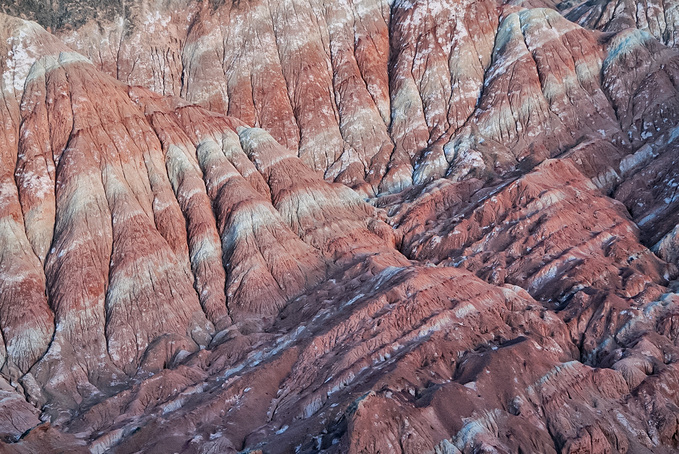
(440, 226)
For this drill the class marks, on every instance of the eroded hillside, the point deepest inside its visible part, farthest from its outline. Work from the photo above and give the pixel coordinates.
(441, 226)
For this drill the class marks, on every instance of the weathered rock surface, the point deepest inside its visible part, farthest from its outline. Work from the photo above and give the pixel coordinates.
(658, 18)
(374, 94)
(440, 226)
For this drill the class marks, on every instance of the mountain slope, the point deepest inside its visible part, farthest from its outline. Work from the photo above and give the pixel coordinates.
(438, 226)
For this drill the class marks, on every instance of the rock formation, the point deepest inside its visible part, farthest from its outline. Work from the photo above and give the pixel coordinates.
(443, 226)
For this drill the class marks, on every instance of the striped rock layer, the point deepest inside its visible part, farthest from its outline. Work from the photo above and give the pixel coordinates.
(440, 226)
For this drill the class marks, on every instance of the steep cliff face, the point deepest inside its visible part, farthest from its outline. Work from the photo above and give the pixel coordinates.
(363, 226)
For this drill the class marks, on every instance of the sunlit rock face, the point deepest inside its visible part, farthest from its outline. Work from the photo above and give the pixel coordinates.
(362, 226)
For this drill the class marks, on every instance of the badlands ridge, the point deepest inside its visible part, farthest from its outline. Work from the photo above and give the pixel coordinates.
(417, 226)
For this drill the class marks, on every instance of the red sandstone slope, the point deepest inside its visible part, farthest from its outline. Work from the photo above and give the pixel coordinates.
(378, 95)
(176, 279)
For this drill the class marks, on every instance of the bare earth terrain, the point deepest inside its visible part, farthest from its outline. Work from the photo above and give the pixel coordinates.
(349, 226)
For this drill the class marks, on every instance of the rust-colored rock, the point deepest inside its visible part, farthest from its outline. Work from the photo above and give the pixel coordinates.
(360, 226)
